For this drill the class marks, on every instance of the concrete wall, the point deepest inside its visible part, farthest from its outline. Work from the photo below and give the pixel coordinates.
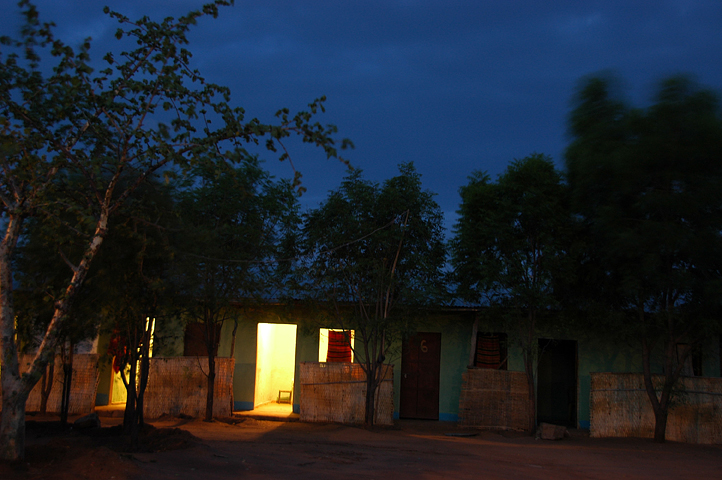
(179, 385)
(598, 355)
(82, 387)
(336, 392)
(621, 408)
(495, 399)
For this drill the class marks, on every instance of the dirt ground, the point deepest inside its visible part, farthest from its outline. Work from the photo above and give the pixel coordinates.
(247, 448)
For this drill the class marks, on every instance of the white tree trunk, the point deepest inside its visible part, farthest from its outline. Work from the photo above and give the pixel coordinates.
(16, 388)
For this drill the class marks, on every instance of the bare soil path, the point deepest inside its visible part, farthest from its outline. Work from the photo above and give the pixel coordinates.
(257, 449)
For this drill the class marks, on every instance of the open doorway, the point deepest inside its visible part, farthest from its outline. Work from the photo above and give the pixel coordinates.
(557, 382)
(275, 366)
(118, 393)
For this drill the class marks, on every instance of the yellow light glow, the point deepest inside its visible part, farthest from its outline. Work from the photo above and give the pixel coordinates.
(118, 393)
(152, 334)
(275, 361)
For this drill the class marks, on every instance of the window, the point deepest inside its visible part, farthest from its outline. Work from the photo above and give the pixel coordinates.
(335, 345)
(491, 351)
(194, 343)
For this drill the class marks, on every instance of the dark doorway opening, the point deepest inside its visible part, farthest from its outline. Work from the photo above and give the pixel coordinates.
(420, 368)
(557, 382)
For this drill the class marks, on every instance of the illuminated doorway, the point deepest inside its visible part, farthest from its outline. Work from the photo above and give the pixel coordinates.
(118, 392)
(275, 364)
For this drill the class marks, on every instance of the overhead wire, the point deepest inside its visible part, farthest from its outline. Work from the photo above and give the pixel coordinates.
(291, 259)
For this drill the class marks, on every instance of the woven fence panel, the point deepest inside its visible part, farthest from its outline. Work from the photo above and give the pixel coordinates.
(178, 385)
(620, 407)
(495, 399)
(336, 392)
(83, 386)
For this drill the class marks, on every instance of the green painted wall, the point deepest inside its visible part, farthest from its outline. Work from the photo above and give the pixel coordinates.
(244, 376)
(455, 329)
(102, 396)
(168, 337)
(306, 351)
(594, 355)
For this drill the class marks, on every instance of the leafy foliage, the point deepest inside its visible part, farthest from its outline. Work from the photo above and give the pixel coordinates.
(647, 182)
(147, 111)
(369, 242)
(510, 241)
(376, 254)
(512, 248)
(236, 223)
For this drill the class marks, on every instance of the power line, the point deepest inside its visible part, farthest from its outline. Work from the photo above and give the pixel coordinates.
(290, 259)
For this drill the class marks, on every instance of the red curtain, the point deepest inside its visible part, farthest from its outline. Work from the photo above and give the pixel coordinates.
(339, 347)
(489, 350)
(117, 350)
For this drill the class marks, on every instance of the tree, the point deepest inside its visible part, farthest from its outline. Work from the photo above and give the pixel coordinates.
(41, 276)
(233, 223)
(130, 283)
(648, 184)
(376, 254)
(510, 248)
(123, 288)
(146, 111)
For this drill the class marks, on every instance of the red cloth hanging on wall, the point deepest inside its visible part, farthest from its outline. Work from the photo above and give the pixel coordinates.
(491, 351)
(117, 349)
(339, 347)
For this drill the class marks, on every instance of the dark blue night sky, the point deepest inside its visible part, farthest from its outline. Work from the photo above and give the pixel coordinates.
(453, 86)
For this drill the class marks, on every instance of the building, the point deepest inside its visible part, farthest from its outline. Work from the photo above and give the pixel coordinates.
(272, 341)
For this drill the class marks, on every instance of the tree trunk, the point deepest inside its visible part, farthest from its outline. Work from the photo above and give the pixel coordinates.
(474, 334)
(14, 392)
(47, 386)
(16, 388)
(233, 339)
(138, 353)
(211, 386)
(67, 383)
(370, 415)
(129, 416)
(529, 369)
(660, 425)
(211, 339)
(143, 380)
(660, 404)
(12, 426)
(144, 369)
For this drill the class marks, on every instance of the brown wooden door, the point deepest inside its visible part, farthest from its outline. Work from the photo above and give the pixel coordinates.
(420, 365)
